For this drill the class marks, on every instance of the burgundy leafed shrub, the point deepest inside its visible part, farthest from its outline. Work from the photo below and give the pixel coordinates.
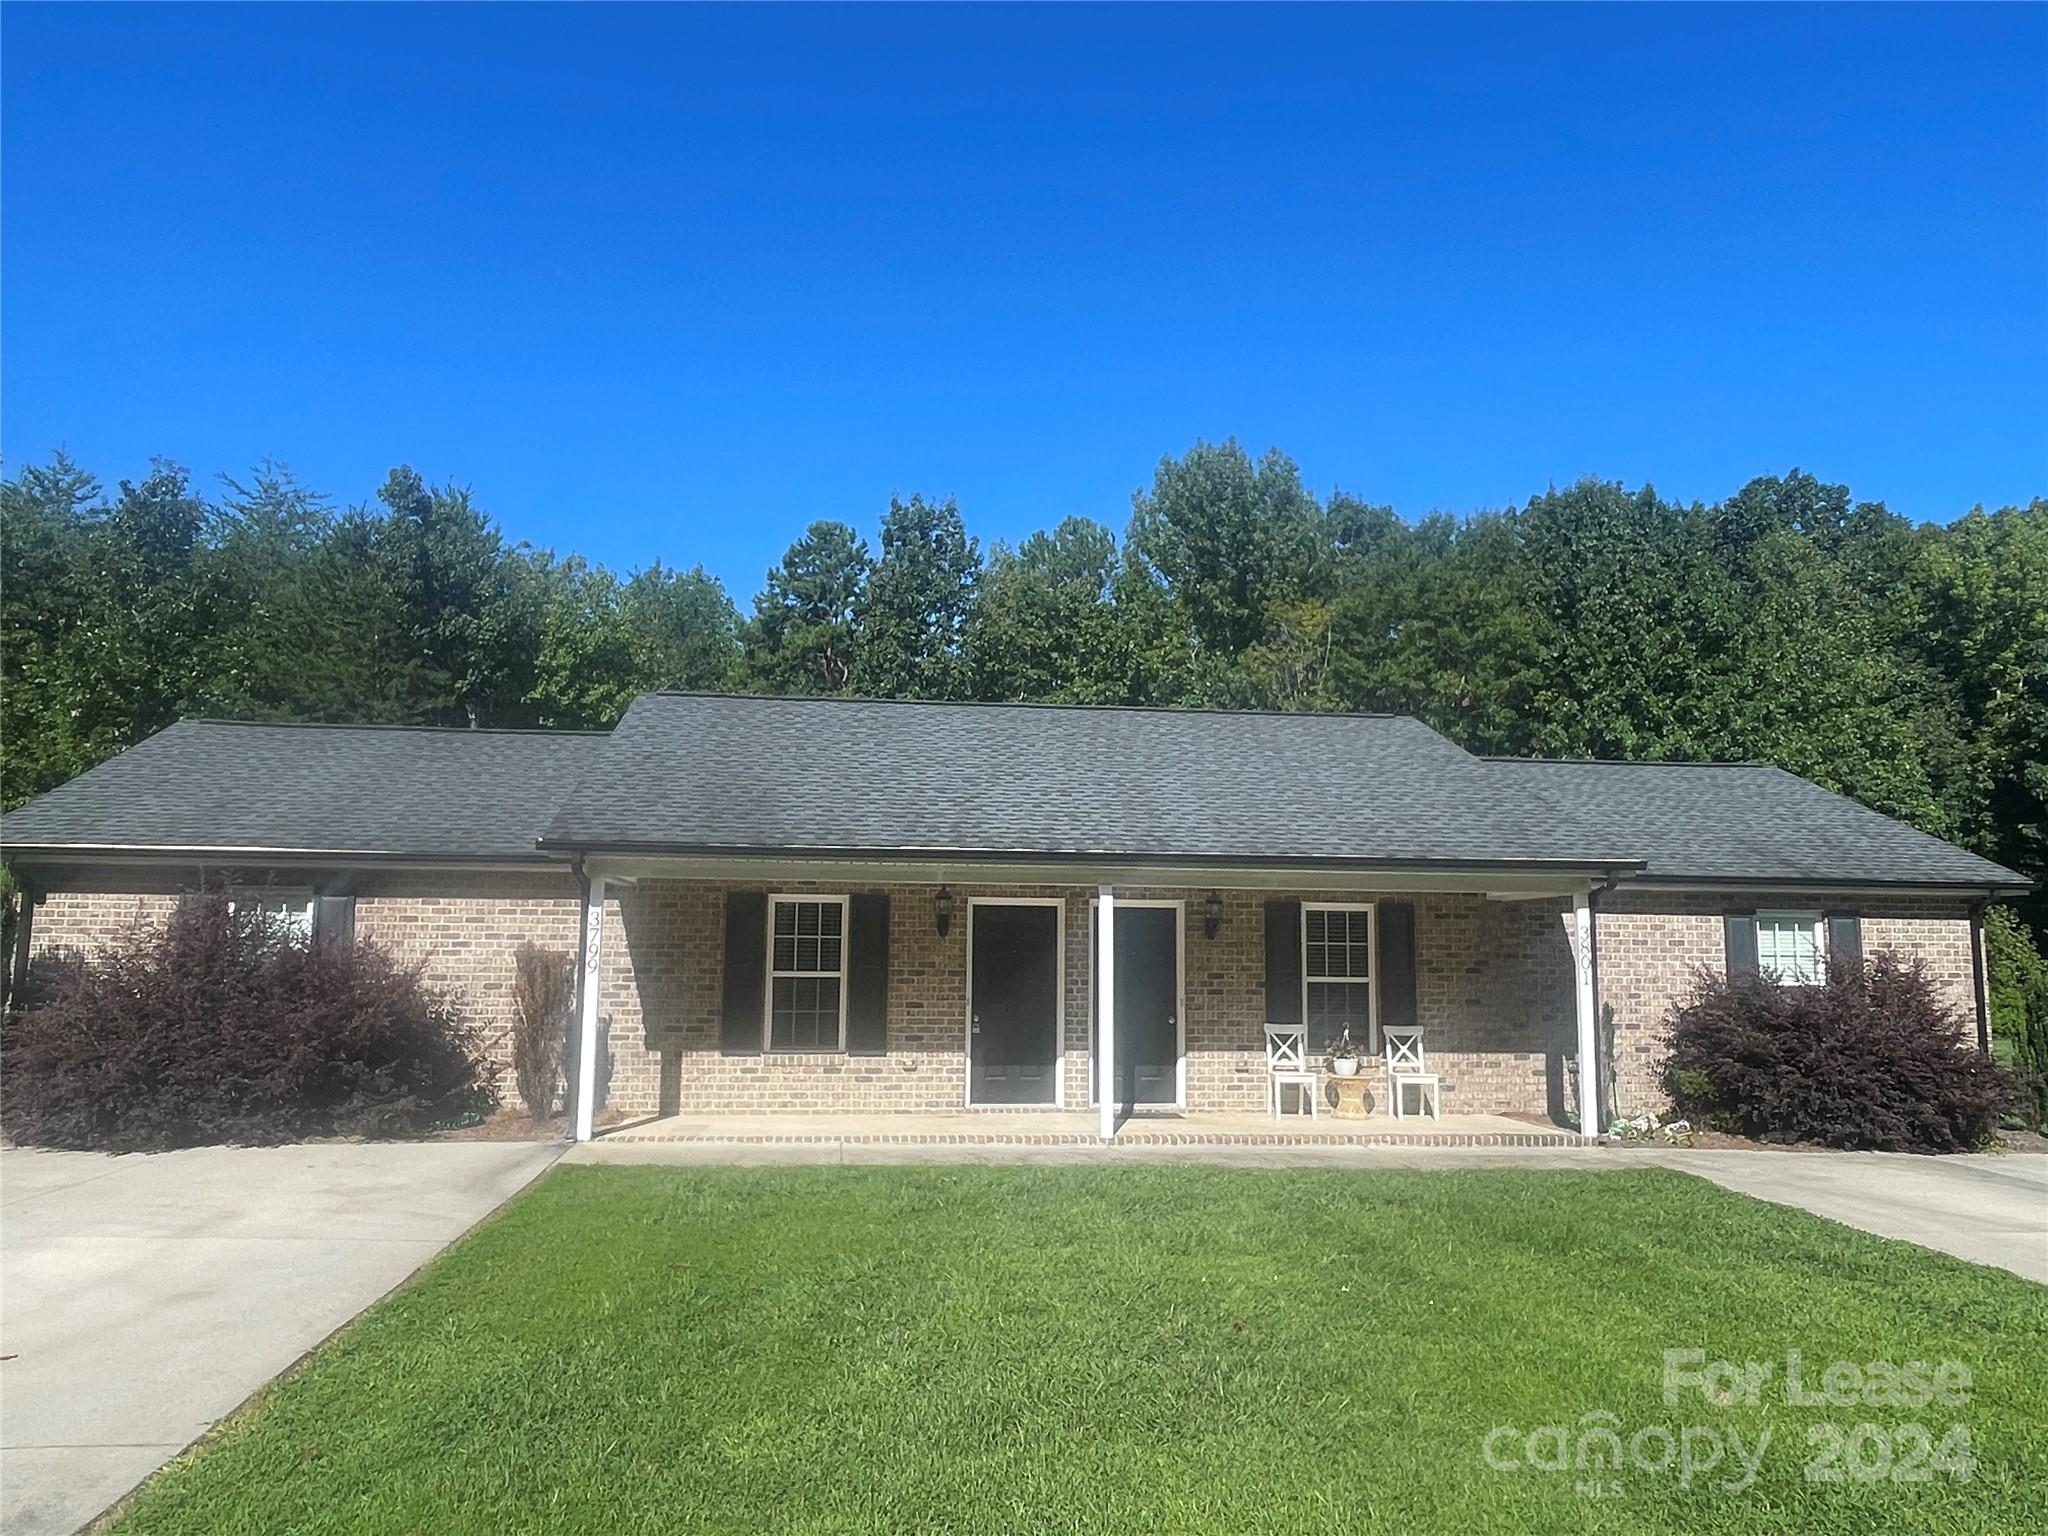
(1871, 1060)
(215, 1027)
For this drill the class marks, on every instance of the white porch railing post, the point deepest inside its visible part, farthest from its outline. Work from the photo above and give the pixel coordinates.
(1589, 1024)
(1105, 1009)
(590, 997)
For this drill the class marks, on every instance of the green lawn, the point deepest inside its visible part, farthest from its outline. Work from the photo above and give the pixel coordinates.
(1111, 1350)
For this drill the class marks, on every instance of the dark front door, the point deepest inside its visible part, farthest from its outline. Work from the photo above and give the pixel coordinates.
(1147, 997)
(1014, 1010)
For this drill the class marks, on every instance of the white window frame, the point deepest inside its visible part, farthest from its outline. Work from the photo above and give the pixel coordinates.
(298, 902)
(1372, 960)
(845, 905)
(1815, 923)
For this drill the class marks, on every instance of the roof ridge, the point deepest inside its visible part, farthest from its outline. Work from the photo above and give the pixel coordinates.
(1132, 709)
(383, 725)
(1630, 762)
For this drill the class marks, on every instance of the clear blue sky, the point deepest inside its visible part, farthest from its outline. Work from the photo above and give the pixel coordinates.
(672, 283)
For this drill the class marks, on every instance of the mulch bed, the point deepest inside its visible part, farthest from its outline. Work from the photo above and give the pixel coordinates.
(1721, 1141)
(510, 1125)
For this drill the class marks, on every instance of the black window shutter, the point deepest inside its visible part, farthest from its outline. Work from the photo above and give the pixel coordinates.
(1283, 962)
(867, 975)
(1740, 928)
(1845, 940)
(1397, 963)
(334, 922)
(746, 966)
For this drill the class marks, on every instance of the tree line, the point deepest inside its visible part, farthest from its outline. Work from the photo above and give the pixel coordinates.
(1904, 664)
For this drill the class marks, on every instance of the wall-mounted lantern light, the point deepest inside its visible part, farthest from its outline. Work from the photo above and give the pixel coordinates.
(1212, 915)
(942, 911)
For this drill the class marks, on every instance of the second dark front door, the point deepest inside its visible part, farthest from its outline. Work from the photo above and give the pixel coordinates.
(1147, 1004)
(1014, 1011)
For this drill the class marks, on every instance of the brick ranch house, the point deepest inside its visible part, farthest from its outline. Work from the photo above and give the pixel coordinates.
(806, 906)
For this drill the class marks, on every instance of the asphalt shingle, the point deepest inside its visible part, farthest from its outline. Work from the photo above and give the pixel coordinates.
(222, 784)
(719, 772)
(709, 771)
(1747, 821)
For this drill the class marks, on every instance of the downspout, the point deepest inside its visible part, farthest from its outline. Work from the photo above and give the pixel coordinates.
(17, 970)
(1979, 973)
(582, 922)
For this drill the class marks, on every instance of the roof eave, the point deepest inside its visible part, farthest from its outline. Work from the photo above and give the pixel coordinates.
(2015, 885)
(158, 853)
(642, 848)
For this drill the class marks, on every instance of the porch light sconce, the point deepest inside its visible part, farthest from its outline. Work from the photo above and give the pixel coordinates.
(1212, 915)
(942, 911)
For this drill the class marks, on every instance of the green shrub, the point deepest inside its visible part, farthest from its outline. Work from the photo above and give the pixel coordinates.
(2019, 1009)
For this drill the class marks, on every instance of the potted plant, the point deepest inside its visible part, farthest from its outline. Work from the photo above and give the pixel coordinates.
(1344, 1055)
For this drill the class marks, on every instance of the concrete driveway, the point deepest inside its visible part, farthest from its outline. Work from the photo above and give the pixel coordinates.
(1987, 1209)
(142, 1298)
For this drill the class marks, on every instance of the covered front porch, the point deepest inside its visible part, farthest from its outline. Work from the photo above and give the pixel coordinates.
(772, 998)
(1065, 1128)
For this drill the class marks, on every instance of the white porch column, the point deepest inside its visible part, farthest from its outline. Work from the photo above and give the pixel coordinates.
(590, 998)
(1589, 1024)
(1105, 1008)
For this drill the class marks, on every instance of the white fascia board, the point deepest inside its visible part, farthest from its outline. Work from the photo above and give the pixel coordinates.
(1508, 885)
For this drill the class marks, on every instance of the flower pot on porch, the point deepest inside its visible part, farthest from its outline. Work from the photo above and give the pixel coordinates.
(1344, 1066)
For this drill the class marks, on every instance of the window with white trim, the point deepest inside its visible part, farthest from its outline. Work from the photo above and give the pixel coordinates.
(292, 911)
(1336, 974)
(807, 973)
(1792, 947)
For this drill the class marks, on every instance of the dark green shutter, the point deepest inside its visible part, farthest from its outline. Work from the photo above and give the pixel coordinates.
(1845, 941)
(867, 975)
(746, 967)
(1740, 931)
(334, 922)
(1397, 964)
(1283, 962)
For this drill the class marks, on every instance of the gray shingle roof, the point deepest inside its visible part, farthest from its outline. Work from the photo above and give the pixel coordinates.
(220, 784)
(730, 773)
(1732, 822)
(709, 771)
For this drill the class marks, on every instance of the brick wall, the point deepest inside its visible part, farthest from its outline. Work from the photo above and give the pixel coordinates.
(461, 929)
(1651, 947)
(1494, 985)
(71, 924)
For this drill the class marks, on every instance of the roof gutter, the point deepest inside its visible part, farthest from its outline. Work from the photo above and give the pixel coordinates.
(538, 861)
(1608, 869)
(1990, 890)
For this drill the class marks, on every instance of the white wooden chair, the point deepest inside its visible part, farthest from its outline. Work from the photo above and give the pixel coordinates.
(1287, 1065)
(1407, 1069)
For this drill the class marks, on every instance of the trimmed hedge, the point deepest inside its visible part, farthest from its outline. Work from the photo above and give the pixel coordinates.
(216, 1026)
(1870, 1060)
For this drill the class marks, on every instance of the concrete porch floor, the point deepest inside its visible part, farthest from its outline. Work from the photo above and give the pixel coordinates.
(1068, 1128)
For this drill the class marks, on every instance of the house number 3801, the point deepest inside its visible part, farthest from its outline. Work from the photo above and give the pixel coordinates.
(1875, 1453)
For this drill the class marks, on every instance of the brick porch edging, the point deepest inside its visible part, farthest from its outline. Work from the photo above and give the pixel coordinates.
(1141, 1138)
